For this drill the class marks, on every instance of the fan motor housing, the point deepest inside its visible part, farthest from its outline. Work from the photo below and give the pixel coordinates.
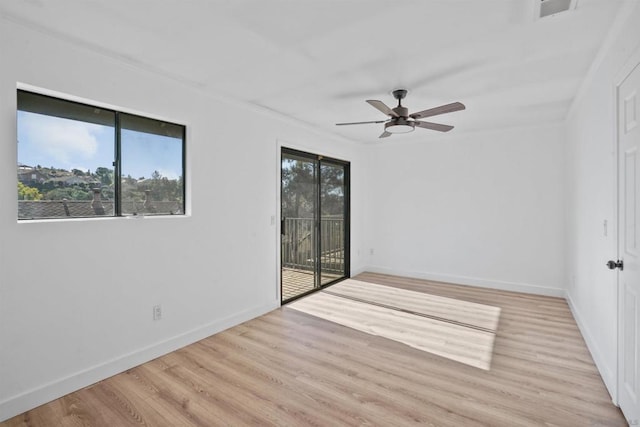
(401, 111)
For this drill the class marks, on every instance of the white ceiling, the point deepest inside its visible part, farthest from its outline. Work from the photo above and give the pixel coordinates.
(317, 61)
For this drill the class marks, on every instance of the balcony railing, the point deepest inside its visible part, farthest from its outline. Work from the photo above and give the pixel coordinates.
(299, 245)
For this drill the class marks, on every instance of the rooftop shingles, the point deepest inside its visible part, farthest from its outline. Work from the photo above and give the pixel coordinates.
(34, 209)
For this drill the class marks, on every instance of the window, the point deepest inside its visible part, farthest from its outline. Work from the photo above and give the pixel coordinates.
(79, 161)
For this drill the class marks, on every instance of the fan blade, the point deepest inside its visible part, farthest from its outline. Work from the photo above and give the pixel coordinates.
(360, 123)
(384, 134)
(382, 107)
(449, 108)
(433, 126)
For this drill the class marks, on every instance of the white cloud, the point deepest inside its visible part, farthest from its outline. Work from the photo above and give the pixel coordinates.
(169, 174)
(66, 142)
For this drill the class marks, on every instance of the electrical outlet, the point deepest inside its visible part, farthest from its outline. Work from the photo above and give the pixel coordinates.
(157, 312)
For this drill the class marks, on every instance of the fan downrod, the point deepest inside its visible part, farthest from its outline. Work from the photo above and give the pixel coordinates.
(401, 111)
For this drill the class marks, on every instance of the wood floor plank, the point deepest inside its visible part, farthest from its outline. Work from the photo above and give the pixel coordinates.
(290, 368)
(466, 345)
(456, 310)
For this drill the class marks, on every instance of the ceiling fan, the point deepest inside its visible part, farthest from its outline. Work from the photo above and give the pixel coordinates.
(401, 121)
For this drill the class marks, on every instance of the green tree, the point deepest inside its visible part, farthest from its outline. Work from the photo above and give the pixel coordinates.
(69, 193)
(28, 193)
(332, 190)
(105, 175)
(163, 188)
(298, 188)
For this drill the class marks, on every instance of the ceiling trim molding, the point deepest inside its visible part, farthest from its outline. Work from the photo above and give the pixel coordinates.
(191, 84)
(77, 42)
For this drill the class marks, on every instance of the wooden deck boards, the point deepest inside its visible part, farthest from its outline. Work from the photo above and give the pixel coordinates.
(297, 282)
(289, 368)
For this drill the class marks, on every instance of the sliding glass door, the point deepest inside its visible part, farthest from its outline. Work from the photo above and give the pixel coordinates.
(332, 238)
(299, 198)
(315, 222)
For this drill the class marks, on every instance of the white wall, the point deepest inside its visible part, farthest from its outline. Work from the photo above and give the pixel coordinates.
(591, 191)
(481, 209)
(76, 297)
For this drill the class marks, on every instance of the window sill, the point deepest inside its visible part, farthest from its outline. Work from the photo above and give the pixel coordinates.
(109, 218)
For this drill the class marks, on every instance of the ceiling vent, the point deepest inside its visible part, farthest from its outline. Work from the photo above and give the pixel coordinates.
(545, 8)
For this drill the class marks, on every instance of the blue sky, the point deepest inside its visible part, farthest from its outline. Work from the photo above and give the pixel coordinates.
(70, 144)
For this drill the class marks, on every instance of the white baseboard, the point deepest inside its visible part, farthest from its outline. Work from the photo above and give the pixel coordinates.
(606, 372)
(18, 404)
(472, 281)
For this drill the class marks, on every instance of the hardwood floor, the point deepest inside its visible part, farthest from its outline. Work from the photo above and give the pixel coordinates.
(456, 311)
(451, 328)
(290, 368)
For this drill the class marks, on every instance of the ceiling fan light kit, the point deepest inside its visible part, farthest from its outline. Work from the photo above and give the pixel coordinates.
(399, 126)
(401, 121)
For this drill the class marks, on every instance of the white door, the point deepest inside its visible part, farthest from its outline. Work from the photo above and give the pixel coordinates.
(629, 246)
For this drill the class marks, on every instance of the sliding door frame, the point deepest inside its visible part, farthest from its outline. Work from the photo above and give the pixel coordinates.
(319, 160)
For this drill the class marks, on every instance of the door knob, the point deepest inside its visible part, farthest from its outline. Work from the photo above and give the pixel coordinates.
(615, 264)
